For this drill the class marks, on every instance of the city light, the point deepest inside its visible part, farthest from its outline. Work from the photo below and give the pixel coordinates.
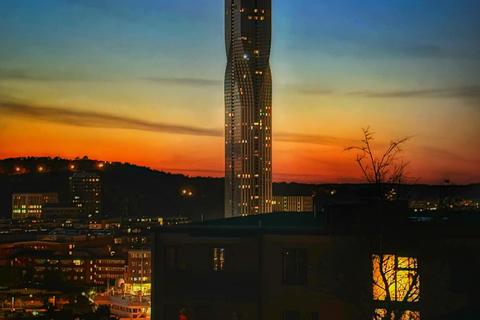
(187, 193)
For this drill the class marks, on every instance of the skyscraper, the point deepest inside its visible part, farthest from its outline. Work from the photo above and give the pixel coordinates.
(248, 108)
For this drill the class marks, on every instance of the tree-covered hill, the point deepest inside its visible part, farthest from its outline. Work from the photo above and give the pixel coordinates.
(131, 190)
(127, 189)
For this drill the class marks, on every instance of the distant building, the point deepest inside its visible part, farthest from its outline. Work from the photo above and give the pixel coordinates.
(139, 271)
(85, 192)
(292, 204)
(104, 224)
(42, 263)
(248, 108)
(167, 221)
(26, 205)
(61, 210)
(108, 269)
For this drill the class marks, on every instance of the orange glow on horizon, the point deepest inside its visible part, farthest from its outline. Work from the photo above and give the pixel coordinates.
(293, 161)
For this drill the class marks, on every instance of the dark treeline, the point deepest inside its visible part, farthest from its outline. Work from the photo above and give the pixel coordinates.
(130, 190)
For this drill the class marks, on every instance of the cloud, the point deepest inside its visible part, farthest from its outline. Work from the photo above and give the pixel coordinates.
(364, 47)
(460, 92)
(6, 93)
(100, 120)
(440, 153)
(184, 81)
(418, 51)
(313, 139)
(317, 91)
(16, 74)
(119, 9)
(103, 120)
(22, 74)
(371, 49)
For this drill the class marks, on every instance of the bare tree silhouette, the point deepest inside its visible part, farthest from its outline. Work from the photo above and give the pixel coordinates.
(383, 170)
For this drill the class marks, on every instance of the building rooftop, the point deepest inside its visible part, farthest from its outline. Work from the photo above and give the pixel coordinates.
(359, 218)
(269, 223)
(275, 219)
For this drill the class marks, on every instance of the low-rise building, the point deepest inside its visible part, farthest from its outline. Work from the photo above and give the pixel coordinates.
(26, 205)
(61, 210)
(138, 271)
(107, 269)
(292, 204)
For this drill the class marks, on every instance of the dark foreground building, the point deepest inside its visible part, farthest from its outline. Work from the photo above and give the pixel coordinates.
(360, 261)
(248, 108)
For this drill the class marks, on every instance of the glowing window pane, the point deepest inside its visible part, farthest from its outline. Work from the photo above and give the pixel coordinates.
(395, 278)
(218, 259)
(381, 314)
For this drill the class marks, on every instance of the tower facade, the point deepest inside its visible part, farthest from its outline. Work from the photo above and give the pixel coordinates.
(248, 108)
(85, 192)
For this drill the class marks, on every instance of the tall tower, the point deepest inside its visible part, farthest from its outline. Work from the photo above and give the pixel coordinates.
(248, 108)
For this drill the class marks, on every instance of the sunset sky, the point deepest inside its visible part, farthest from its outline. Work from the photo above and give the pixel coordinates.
(142, 82)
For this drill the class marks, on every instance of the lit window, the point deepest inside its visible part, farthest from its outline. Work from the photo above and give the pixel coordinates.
(218, 259)
(381, 314)
(77, 262)
(396, 279)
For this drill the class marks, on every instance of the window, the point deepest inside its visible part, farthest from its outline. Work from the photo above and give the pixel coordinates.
(175, 258)
(396, 279)
(295, 266)
(171, 257)
(291, 315)
(218, 259)
(381, 314)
